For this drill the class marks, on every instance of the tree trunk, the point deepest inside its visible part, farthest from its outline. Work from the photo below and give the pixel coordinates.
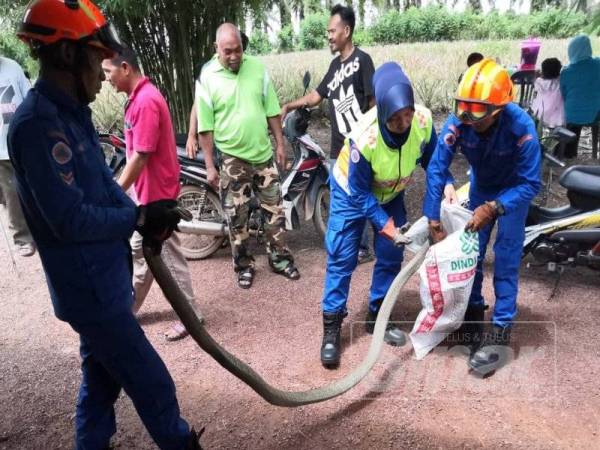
(173, 39)
(361, 12)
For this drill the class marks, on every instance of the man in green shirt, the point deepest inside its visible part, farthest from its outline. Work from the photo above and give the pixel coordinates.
(237, 105)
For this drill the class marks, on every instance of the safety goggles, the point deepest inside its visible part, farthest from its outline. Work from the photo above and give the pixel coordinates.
(470, 112)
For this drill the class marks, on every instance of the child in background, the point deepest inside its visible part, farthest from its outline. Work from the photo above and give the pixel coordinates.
(548, 106)
(473, 58)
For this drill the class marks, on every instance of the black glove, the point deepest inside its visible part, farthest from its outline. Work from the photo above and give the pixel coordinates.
(157, 220)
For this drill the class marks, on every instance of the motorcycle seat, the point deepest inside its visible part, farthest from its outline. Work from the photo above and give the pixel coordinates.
(538, 215)
(183, 157)
(583, 180)
(181, 140)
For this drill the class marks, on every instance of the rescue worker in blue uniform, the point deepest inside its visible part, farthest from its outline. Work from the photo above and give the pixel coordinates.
(367, 183)
(499, 140)
(81, 222)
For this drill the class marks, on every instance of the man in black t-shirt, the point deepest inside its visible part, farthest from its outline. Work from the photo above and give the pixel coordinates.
(347, 85)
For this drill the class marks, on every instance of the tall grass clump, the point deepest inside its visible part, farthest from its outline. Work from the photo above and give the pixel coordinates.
(107, 109)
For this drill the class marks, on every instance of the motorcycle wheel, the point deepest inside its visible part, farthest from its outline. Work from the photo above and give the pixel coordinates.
(204, 205)
(321, 214)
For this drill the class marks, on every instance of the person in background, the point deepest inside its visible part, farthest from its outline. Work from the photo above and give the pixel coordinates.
(13, 89)
(191, 145)
(548, 106)
(580, 88)
(237, 105)
(473, 58)
(500, 143)
(347, 85)
(368, 181)
(81, 221)
(152, 169)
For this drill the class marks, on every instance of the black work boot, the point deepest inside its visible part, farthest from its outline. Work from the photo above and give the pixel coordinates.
(493, 352)
(469, 333)
(330, 348)
(193, 442)
(393, 335)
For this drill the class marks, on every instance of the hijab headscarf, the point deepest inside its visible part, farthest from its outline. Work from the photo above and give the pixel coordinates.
(580, 49)
(393, 92)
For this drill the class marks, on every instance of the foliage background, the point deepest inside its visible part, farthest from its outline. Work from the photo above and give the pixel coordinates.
(433, 67)
(174, 38)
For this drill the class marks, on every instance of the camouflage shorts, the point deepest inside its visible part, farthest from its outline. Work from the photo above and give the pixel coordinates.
(239, 179)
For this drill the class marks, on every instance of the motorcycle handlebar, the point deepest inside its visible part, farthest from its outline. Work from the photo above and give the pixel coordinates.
(557, 162)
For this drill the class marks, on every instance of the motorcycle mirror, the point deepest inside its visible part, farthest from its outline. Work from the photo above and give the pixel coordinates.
(564, 135)
(306, 80)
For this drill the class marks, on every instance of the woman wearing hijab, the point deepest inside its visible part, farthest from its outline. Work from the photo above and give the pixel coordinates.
(367, 183)
(580, 88)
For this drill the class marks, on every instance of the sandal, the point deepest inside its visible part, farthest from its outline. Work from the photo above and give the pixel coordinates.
(289, 271)
(246, 277)
(177, 332)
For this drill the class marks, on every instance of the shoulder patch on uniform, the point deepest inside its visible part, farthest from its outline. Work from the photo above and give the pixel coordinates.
(67, 178)
(450, 139)
(61, 153)
(354, 155)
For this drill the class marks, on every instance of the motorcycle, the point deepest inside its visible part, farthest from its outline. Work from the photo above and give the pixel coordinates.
(568, 234)
(304, 188)
(113, 148)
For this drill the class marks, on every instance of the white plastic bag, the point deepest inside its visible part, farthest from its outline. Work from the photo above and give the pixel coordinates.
(418, 234)
(453, 217)
(447, 276)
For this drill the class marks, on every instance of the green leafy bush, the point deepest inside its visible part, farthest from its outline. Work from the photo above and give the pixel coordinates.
(11, 47)
(363, 38)
(435, 23)
(259, 43)
(286, 39)
(313, 31)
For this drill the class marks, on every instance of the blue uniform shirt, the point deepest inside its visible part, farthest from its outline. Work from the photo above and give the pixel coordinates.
(507, 161)
(79, 217)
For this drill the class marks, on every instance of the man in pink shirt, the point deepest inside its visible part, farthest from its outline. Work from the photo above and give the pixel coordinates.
(152, 168)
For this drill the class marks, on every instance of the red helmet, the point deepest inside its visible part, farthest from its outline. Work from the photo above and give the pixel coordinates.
(49, 21)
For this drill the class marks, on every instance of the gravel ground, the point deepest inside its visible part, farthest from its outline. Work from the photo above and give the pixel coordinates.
(547, 398)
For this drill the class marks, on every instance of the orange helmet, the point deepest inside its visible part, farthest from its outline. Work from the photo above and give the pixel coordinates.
(484, 90)
(48, 21)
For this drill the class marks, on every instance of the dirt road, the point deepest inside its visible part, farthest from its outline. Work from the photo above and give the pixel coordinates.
(547, 398)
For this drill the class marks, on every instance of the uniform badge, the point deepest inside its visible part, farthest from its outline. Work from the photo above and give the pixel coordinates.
(355, 155)
(61, 153)
(450, 139)
(67, 178)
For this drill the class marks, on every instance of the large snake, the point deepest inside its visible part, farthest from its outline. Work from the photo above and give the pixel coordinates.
(241, 370)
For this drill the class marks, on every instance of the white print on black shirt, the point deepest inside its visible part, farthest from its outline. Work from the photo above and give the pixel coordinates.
(346, 106)
(345, 71)
(347, 110)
